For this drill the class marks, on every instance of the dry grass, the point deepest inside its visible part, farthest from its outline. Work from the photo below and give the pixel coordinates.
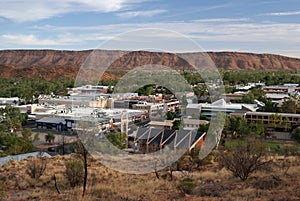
(212, 183)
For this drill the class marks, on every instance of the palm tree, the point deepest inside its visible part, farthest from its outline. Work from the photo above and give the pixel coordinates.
(49, 138)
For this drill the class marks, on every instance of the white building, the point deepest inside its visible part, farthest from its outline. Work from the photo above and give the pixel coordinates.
(9, 101)
(210, 109)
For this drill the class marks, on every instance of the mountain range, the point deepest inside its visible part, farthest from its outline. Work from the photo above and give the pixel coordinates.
(51, 64)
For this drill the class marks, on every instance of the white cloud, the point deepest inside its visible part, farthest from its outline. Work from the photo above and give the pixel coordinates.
(215, 7)
(26, 40)
(33, 10)
(217, 33)
(215, 29)
(222, 20)
(284, 13)
(291, 53)
(60, 40)
(145, 13)
(32, 40)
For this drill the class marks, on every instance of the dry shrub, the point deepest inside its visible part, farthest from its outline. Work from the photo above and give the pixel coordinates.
(211, 190)
(267, 183)
(245, 158)
(36, 167)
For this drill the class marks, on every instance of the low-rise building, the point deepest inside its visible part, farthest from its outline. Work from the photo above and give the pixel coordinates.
(51, 123)
(166, 124)
(89, 89)
(154, 139)
(210, 109)
(268, 118)
(193, 110)
(82, 100)
(193, 124)
(126, 104)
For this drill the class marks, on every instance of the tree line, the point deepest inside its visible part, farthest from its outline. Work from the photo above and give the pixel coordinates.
(11, 142)
(28, 89)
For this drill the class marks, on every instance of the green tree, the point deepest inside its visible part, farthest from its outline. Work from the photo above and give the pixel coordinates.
(13, 119)
(239, 125)
(291, 105)
(171, 115)
(248, 98)
(203, 127)
(297, 134)
(49, 138)
(257, 128)
(286, 123)
(177, 125)
(149, 90)
(270, 106)
(259, 94)
(118, 139)
(184, 102)
(276, 121)
(200, 90)
(18, 144)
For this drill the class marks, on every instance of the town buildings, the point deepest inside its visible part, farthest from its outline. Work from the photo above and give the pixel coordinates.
(145, 118)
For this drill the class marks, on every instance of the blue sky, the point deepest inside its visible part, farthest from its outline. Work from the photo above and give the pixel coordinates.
(259, 26)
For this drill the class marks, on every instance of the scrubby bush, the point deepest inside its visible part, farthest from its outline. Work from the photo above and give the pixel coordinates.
(267, 183)
(186, 185)
(2, 193)
(75, 172)
(210, 190)
(245, 158)
(36, 168)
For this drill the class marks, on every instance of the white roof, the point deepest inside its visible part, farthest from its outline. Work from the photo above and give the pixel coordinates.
(219, 102)
(276, 96)
(193, 106)
(51, 120)
(222, 104)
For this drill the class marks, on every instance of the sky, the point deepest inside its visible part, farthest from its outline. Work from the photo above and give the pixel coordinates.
(258, 26)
